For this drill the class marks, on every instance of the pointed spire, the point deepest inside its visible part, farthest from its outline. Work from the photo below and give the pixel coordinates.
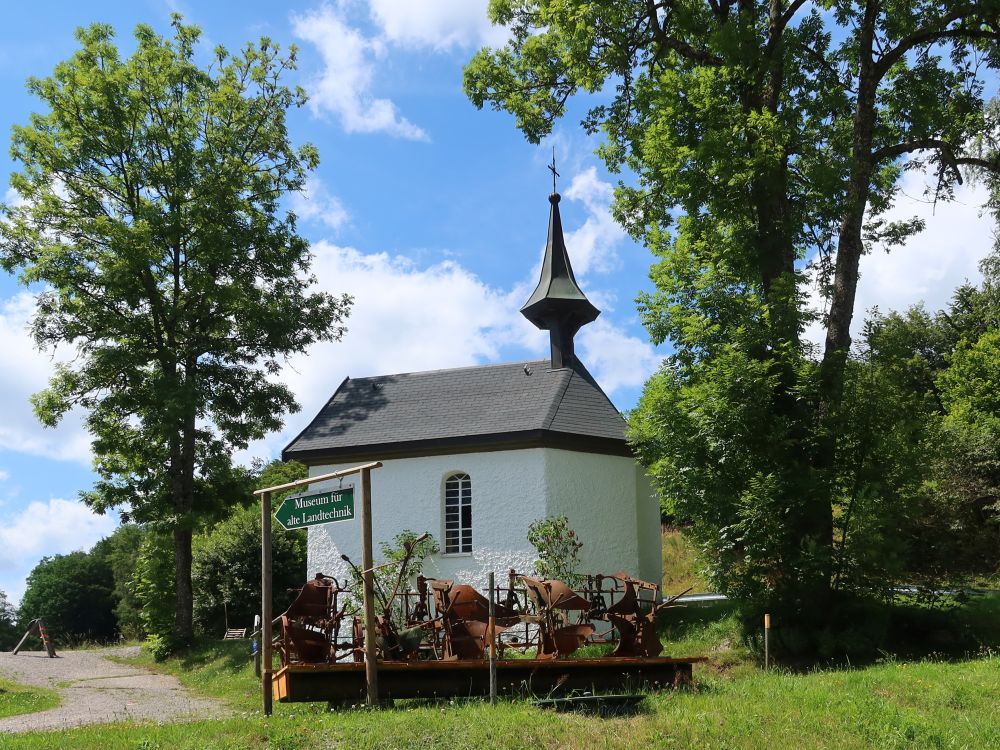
(558, 305)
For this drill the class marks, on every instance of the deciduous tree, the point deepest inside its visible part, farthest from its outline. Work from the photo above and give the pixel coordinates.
(151, 222)
(760, 135)
(73, 594)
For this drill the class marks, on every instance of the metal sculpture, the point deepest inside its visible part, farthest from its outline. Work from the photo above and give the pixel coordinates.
(433, 639)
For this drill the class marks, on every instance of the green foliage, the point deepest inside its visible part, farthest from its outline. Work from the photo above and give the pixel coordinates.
(226, 567)
(682, 565)
(557, 547)
(121, 551)
(405, 555)
(153, 586)
(920, 446)
(8, 624)
(761, 134)
(226, 570)
(74, 596)
(151, 217)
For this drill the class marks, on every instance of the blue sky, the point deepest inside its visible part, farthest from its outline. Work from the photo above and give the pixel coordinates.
(431, 213)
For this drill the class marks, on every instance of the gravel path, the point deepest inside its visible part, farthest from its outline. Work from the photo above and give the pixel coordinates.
(96, 690)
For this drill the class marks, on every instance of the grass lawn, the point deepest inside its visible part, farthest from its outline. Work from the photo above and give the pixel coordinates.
(20, 699)
(930, 703)
(891, 705)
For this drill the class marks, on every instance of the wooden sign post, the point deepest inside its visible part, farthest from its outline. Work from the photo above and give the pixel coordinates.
(371, 658)
(267, 616)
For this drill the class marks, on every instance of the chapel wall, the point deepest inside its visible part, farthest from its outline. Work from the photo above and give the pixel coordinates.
(610, 506)
(508, 493)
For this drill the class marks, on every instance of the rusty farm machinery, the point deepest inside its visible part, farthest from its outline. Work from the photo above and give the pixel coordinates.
(434, 640)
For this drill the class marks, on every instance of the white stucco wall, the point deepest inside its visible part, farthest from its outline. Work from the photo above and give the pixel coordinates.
(607, 501)
(508, 490)
(606, 498)
(650, 533)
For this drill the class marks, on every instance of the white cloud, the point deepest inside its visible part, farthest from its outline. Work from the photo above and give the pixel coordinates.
(405, 318)
(13, 198)
(594, 245)
(615, 359)
(344, 86)
(316, 203)
(932, 264)
(53, 527)
(408, 317)
(4, 475)
(23, 371)
(438, 24)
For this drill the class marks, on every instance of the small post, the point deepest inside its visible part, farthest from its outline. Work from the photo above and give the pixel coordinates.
(371, 657)
(491, 634)
(767, 633)
(266, 636)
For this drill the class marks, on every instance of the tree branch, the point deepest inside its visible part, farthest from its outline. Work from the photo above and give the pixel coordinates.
(939, 32)
(666, 41)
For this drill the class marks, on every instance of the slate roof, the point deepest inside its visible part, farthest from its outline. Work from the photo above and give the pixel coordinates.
(460, 410)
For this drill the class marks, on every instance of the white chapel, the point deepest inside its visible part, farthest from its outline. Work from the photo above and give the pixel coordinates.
(474, 455)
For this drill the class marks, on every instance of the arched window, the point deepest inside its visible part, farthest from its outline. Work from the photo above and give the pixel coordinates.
(457, 514)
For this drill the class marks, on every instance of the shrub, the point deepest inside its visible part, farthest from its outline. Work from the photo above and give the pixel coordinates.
(558, 549)
(226, 570)
(153, 586)
(73, 594)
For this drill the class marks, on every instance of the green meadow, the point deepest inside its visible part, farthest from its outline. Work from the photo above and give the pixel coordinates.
(938, 700)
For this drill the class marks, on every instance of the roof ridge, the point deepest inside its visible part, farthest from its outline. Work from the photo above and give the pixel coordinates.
(490, 365)
(550, 416)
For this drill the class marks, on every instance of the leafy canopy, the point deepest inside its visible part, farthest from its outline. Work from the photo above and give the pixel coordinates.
(151, 225)
(150, 217)
(757, 136)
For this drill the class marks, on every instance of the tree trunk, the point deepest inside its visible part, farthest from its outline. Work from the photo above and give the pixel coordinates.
(182, 458)
(850, 247)
(184, 593)
(849, 242)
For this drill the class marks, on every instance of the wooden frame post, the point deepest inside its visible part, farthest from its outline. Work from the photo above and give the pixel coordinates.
(491, 635)
(266, 616)
(371, 657)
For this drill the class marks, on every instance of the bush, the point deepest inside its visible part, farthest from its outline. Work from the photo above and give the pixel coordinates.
(558, 549)
(73, 594)
(121, 551)
(226, 570)
(153, 587)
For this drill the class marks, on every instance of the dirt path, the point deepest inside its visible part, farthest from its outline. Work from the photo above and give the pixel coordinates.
(96, 690)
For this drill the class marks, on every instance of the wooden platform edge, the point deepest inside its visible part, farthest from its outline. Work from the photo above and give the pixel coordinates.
(346, 682)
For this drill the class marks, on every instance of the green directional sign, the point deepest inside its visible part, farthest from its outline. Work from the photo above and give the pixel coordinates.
(299, 511)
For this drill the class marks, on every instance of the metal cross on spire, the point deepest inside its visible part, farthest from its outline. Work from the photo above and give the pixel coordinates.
(552, 169)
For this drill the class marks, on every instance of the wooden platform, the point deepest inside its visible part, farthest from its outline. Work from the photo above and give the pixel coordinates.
(448, 679)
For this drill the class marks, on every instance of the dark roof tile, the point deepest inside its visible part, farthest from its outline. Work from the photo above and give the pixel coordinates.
(469, 402)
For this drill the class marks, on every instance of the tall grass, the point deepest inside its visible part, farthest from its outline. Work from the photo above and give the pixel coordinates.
(680, 564)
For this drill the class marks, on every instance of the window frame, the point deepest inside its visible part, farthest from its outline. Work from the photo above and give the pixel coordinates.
(459, 506)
